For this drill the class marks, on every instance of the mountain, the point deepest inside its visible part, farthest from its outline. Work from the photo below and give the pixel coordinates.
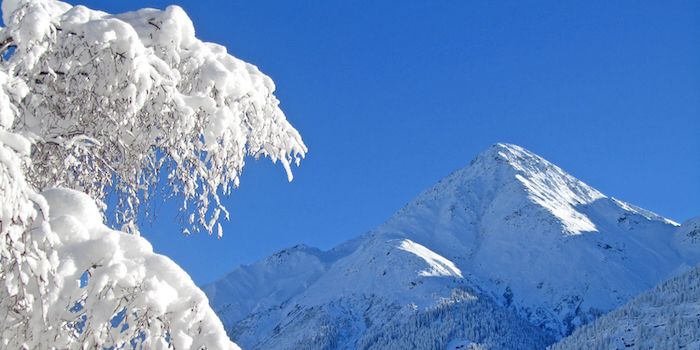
(666, 317)
(509, 250)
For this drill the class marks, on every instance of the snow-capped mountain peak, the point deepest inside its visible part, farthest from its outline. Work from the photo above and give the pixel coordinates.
(511, 228)
(505, 165)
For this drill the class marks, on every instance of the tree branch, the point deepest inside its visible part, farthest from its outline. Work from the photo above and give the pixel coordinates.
(6, 44)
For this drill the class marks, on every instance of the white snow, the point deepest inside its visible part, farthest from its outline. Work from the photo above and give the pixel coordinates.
(101, 99)
(463, 344)
(552, 188)
(17, 142)
(164, 90)
(439, 266)
(124, 273)
(665, 317)
(559, 204)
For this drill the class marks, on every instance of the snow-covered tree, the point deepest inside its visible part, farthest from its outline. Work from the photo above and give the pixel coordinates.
(114, 101)
(106, 104)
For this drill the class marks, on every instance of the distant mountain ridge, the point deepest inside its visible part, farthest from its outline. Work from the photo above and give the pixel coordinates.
(510, 230)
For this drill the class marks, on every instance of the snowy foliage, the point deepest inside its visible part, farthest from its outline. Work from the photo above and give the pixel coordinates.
(103, 104)
(114, 101)
(87, 286)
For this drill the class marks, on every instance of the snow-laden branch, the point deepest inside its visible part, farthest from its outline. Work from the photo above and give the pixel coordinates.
(115, 100)
(69, 282)
(105, 103)
(110, 290)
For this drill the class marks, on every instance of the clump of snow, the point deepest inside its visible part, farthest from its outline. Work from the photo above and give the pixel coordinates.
(133, 297)
(171, 28)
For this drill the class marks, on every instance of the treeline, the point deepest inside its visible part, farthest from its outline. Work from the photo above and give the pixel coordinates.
(478, 319)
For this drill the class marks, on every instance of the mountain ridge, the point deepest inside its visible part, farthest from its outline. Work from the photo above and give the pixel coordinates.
(510, 226)
(664, 317)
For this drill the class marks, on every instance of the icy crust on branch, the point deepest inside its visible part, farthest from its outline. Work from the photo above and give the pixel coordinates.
(115, 100)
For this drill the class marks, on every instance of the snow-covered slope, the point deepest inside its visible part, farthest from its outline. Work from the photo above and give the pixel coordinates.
(512, 229)
(666, 317)
(267, 283)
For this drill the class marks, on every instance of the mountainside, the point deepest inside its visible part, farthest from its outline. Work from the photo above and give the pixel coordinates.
(666, 317)
(508, 242)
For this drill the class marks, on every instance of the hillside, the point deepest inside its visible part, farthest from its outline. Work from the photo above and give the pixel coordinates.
(666, 317)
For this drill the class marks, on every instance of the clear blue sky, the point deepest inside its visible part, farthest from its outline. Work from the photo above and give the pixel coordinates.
(391, 96)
